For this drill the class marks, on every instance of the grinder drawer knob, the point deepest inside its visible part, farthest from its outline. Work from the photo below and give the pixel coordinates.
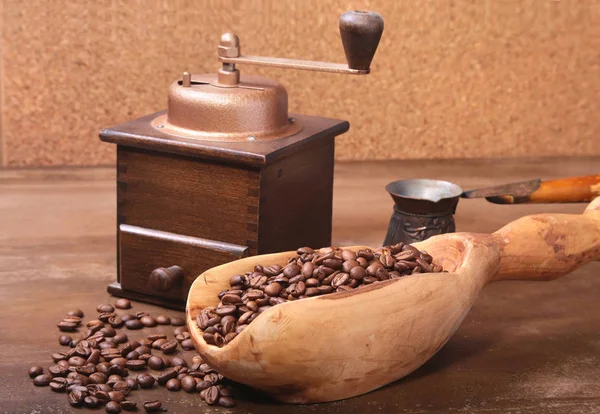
(165, 279)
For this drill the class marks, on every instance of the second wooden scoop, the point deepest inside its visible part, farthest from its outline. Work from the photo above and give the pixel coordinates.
(345, 344)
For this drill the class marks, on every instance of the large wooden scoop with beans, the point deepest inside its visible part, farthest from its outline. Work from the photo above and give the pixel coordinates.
(344, 344)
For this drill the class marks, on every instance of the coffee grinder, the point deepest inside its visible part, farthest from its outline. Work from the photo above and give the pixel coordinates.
(226, 172)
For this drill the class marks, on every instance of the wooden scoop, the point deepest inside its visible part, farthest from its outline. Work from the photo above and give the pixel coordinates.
(345, 344)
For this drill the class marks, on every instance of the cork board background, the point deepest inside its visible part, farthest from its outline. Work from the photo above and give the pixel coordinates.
(451, 79)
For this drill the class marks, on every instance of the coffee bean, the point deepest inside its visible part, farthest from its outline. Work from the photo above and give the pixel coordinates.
(148, 321)
(59, 384)
(113, 407)
(116, 321)
(178, 362)
(134, 324)
(122, 303)
(165, 376)
(163, 320)
(188, 384)
(136, 364)
(76, 398)
(173, 384)
(156, 363)
(145, 380)
(152, 406)
(105, 308)
(122, 387)
(212, 395)
(117, 396)
(169, 347)
(128, 317)
(177, 321)
(91, 401)
(64, 340)
(58, 371)
(67, 326)
(226, 402)
(75, 312)
(128, 405)
(35, 371)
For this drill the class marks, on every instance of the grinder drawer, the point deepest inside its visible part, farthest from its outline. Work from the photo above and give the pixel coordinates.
(164, 264)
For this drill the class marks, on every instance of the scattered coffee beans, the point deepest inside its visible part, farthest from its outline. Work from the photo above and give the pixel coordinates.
(310, 273)
(95, 371)
(163, 320)
(122, 303)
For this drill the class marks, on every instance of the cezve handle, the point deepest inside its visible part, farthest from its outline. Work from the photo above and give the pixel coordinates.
(548, 246)
(566, 190)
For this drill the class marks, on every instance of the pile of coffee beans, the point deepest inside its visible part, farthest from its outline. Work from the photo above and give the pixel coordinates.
(310, 273)
(97, 367)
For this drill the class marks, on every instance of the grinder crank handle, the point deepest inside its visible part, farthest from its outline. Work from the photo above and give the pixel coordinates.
(548, 246)
(565, 190)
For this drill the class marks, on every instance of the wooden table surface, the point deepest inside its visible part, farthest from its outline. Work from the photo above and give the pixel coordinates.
(525, 347)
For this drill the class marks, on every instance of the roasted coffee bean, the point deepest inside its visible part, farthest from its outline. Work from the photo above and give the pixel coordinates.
(64, 340)
(113, 407)
(121, 386)
(86, 370)
(178, 362)
(35, 371)
(136, 364)
(231, 299)
(340, 279)
(116, 321)
(59, 384)
(152, 406)
(163, 320)
(105, 308)
(132, 383)
(169, 347)
(91, 401)
(76, 398)
(128, 317)
(273, 289)
(94, 357)
(156, 363)
(226, 402)
(58, 371)
(212, 395)
(98, 378)
(128, 405)
(122, 303)
(108, 331)
(165, 376)
(188, 344)
(148, 321)
(132, 355)
(145, 380)
(177, 321)
(158, 343)
(67, 326)
(188, 383)
(183, 336)
(73, 319)
(134, 324)
(173, 384)
(75, 312)
(102, 395)
(117, 396)
(226, 310)
(113, 379)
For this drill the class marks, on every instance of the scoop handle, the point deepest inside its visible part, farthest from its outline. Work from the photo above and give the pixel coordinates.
(548, 246)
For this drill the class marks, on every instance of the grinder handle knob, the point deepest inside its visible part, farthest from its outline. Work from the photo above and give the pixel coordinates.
(163, 280)
(360, 31)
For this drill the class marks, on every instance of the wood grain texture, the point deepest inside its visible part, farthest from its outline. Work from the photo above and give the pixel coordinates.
(461, 79)
(296, 199)
(143, 250)
(524, 347)
(180, 195)
(353, 348)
